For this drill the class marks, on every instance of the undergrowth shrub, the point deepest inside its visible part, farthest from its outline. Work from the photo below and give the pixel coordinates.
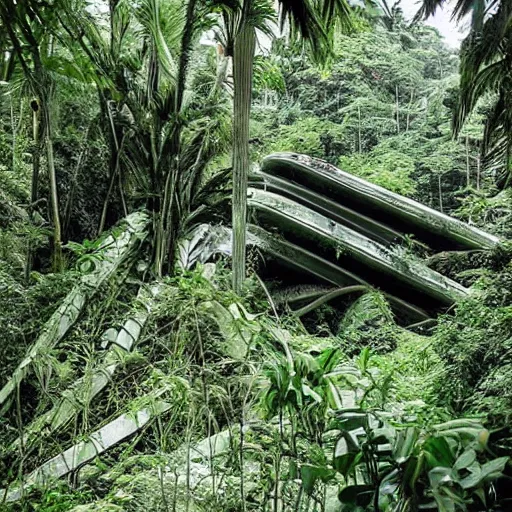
(476, 345)
(24, 310)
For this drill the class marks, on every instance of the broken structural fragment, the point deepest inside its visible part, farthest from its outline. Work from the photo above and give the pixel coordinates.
(398, 274)
(366, 202)
(83, 391)
(99, 442)
(113, 251)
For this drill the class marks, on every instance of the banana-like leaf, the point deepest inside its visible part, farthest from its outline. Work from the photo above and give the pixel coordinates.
(235, 324)
(114, 251)
(201, 243)
(355, 250)
(397, 212)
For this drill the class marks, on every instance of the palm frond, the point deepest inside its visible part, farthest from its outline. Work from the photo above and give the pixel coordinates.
(339, 10)
(304, 21)
(149, 15)
(461, 9)
(486, 68)
(428, 8)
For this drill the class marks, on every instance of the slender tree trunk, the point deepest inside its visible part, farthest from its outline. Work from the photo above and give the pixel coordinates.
(167, 220)
(71, 196)
(34, 185)
(222, 69)
(113, 176)
(397, 111)
(54, 198)
(36, 157)
(14, 133)
(121, 194)
(245, 46)
(359, 128)
(507, 162)
(409, 111)
(278, 463)
(478, 171)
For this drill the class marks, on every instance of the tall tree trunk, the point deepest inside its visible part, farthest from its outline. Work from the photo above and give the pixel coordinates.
(397, 111)
(222, 69)
(409, 111)
(243, 58)
(359, 129)
(478, 171)
(508, 173)
(34, 185)
(14, 133)
(114, 173)
(54, 198)
(167, 221)
(74, 181)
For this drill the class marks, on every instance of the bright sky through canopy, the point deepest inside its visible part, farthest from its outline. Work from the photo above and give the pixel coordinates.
(450, 30)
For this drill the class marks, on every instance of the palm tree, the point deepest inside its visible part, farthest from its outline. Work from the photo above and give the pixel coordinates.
(486, 67)
(306, 19)
(28, 26)
(163, 131)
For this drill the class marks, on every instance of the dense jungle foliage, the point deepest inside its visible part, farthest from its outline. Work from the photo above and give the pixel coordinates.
(167, 344)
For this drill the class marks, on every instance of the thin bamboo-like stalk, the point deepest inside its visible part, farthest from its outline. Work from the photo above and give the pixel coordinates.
(54, 196)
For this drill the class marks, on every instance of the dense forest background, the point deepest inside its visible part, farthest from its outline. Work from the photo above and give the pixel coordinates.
(105, 113)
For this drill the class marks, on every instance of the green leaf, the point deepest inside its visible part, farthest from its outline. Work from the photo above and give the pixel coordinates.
(350, 421)
(389, 483)
(438, 452)
(473, 479)
(347, 454)
(310, 474)
(293, 470)
(465, 460)
(345, 464)
(382, 435)
(444, 503)
(471, 433)
(481, 494)
(307, 391)
(413, 470)
(346, 443)
(494, 468)
(460, 423)
(440, 476)
(404, 444)
(480, 474)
